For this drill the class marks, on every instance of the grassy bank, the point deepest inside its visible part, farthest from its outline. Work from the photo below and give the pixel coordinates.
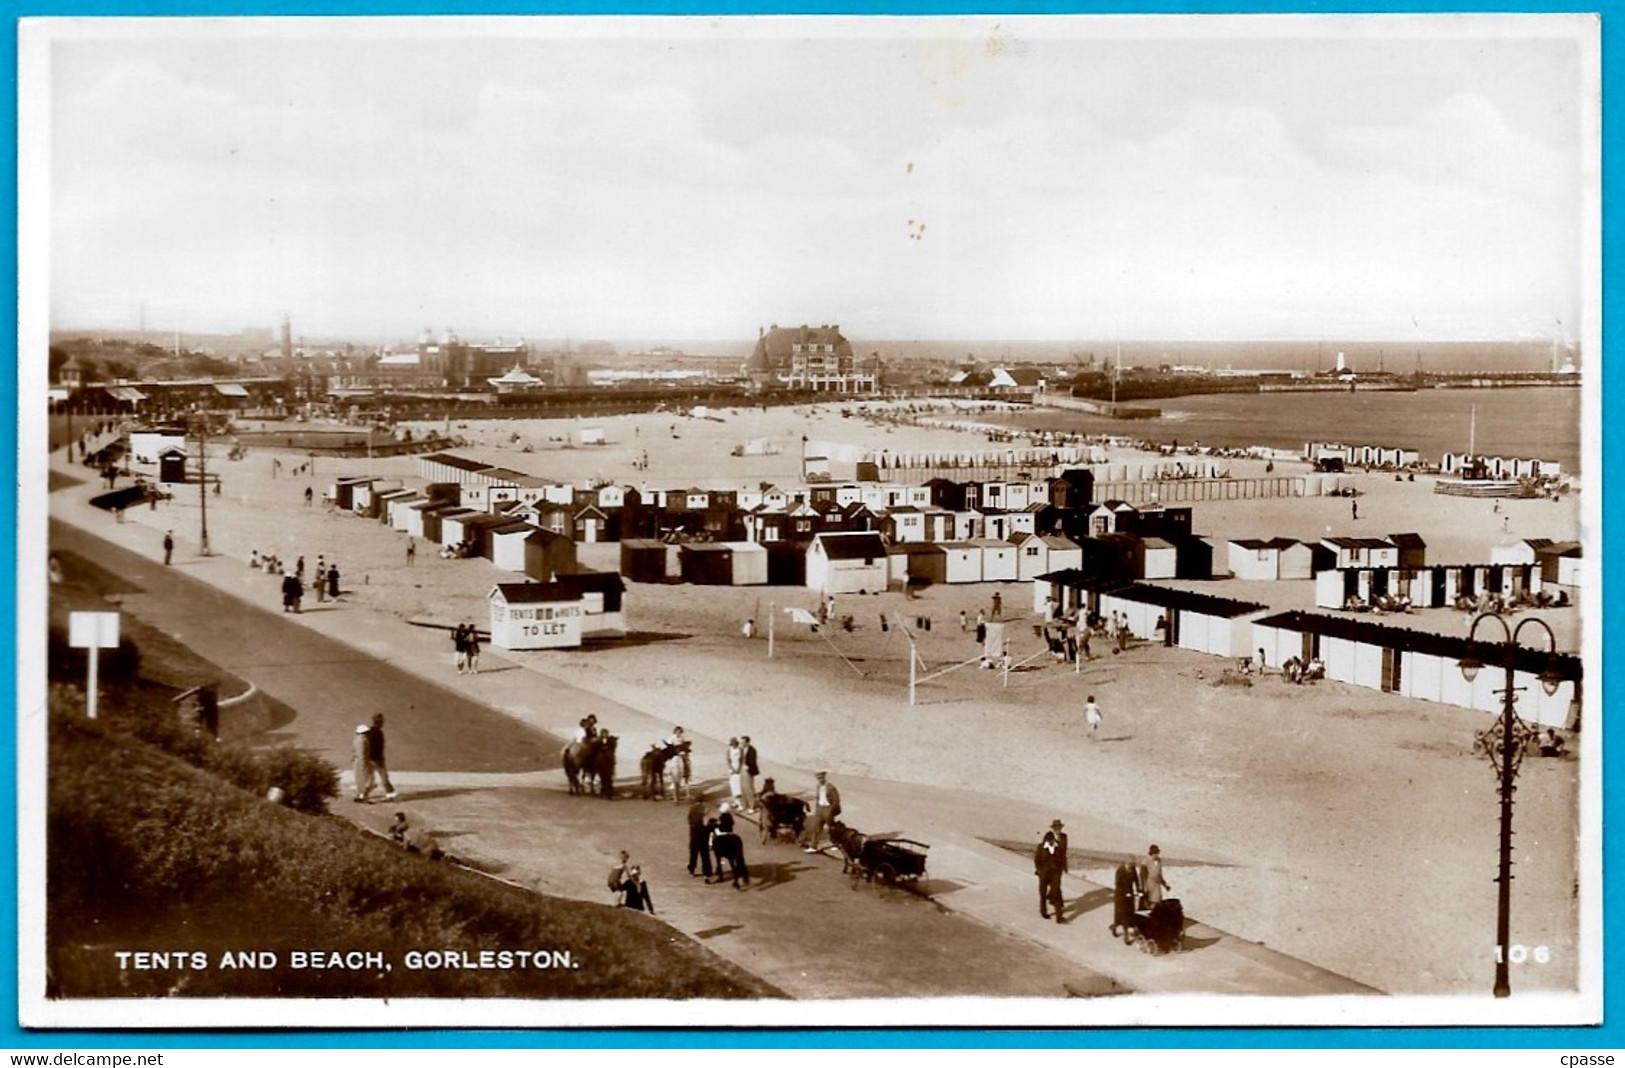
(149, 854)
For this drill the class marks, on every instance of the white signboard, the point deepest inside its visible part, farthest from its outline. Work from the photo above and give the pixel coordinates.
(93, 630)
(545, 625)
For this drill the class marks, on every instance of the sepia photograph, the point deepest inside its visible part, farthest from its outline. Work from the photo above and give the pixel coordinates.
(816, 521)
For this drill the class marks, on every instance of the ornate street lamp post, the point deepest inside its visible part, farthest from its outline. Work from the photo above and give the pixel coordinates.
(1506, 753)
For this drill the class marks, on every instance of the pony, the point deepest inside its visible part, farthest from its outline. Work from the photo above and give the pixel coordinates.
(678, 772)
(652, 766)
(590, 765)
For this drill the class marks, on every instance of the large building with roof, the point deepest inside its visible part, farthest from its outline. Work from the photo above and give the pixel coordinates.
(817, 359)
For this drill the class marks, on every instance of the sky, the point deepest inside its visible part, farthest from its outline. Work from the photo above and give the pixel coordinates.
(1301, 177)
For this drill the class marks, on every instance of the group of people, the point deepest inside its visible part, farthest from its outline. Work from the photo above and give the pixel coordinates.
(1137, 885)
(465, 641)
(325, 582)
(367, 749)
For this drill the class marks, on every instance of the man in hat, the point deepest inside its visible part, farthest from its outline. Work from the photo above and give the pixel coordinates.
(1059, 830)
(1152, 884)
(1048, 864)
(169, 545)
(826, 807)
(375, 756)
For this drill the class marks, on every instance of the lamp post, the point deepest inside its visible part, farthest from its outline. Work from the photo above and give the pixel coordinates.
(203, 483)
(1506, 753)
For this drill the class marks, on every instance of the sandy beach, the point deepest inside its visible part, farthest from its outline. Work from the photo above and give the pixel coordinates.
(1350, 828)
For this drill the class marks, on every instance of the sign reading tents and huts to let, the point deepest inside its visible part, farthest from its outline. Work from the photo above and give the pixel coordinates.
(535, 616)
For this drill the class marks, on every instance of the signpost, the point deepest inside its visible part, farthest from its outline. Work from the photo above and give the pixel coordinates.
(94, 631)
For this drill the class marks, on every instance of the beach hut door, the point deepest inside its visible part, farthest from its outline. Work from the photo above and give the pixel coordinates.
(1391, 661)
(1311, 647)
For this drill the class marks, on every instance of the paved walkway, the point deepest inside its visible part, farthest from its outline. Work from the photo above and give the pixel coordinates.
(491, 788)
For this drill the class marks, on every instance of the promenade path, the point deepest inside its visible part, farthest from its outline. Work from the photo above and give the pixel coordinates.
(476, 758)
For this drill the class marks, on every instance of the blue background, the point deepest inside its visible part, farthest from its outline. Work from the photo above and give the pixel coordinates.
(1610, 1035)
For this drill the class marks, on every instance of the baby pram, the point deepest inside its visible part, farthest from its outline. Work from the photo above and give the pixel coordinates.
(1162, 930)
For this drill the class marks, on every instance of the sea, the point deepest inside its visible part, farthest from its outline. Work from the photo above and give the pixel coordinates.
(1542, 423)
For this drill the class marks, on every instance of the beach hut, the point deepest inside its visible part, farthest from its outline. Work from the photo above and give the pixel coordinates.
(962, 561)
(1038, 554)
(1000, 561)
(447, 467)
(728, 563)
(548, 555)
(1256, 559)
(1219, 626)
(364, 497)
(1413, 551)
(847, 563)
(1560, 564)
(1193, 557)
(603, 602)
(172, 464)
(903, 525)
(452, 524)
(1362, 552)
(507, 545)
(1156, 558)
(706, 563)
(535, 615)
(787, 563)
(1073, 488)
(917, 563)
(643, 559)
(1420, 664)
(392, 506)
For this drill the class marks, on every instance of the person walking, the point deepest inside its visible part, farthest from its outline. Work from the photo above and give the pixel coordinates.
(1047, 861)
(618, 874)
(1091, 714)
(736, 771)
(471, 643)
(459, 643)
(361, 761)
(826, 808)
(332, 582)
(1152, 883)
(635, 892)
(1125, 888)
(310, 495)
(411, 551)
(169, 546)
(699, 838)
(319, 583)
(1060, 837)
(998, 605)
(375, 755)
(292, 592)
(752, 769)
